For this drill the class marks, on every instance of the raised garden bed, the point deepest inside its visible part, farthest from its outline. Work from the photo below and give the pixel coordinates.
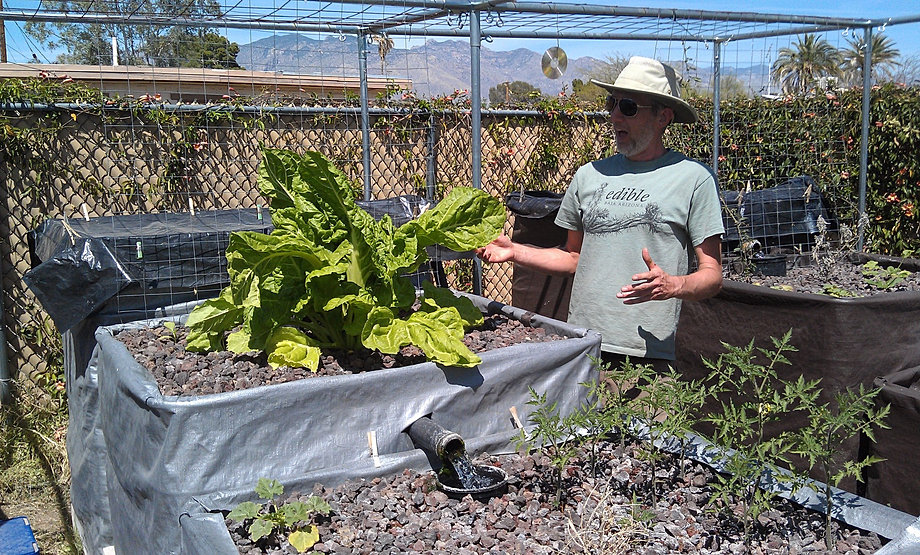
(167, 451)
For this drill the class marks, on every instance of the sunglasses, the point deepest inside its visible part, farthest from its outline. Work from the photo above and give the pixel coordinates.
(628, 107)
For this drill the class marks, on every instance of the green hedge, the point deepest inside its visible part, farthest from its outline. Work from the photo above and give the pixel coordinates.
(764, 142)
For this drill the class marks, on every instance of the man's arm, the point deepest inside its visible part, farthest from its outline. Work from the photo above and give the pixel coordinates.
(657, 285)
(555, 261)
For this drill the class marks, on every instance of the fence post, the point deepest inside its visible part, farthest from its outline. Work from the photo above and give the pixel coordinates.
(431, 176)
(365, 117)
(476, 135)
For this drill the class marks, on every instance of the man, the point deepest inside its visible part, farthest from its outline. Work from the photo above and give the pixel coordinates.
(633, 219)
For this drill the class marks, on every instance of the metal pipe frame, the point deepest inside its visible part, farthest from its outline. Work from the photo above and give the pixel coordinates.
(864, 139)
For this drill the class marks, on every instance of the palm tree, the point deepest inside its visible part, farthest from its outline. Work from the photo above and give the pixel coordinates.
(884, 59)
(798, 68)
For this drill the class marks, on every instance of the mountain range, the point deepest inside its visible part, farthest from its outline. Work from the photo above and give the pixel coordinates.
(435, 67)
(438, 67)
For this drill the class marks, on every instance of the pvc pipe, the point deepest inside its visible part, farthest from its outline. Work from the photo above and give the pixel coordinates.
(432, 438)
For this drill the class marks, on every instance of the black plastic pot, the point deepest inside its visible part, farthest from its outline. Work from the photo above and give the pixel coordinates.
(496, 478)
(770, 265)
(535, 224)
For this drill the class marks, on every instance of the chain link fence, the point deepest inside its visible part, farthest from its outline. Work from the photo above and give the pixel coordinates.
(72, 164)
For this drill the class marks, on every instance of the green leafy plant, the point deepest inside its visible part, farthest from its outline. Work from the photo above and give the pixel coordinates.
(883, 277)
(852, 413)
(330, 276)
(754, 398)
(553, 434)
(171, 328)
(596, 421)
(667, 407)
(833, 290)
(616, 389)
(269, 517)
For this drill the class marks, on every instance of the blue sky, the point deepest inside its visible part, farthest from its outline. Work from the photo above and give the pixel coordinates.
(906, 37)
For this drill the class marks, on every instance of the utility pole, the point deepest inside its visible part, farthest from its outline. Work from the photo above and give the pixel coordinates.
(2, 37)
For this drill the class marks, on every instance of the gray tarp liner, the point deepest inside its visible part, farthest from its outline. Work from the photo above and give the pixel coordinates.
(165, 452)
(842, 342)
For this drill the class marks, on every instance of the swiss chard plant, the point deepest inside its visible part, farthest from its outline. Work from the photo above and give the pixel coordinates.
(331, 276)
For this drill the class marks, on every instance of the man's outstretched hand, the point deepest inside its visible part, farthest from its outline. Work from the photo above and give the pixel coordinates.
(499, 250)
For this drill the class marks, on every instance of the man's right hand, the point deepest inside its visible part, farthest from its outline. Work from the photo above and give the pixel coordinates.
(499, 250)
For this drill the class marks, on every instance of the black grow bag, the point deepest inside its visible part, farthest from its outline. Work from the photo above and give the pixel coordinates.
(535, 224)
(894, 481)
(129, 265)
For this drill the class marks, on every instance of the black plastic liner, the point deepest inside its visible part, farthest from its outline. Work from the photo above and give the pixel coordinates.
(535, 224)
(894, 480)
(781, 215)
(132, 263)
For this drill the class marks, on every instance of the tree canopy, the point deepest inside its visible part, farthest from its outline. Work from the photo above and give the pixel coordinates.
(884, 59)
(800, 67)
(514, 92)
(159, 46)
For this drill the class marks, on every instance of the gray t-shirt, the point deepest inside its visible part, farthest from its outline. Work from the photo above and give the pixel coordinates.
(668, 205)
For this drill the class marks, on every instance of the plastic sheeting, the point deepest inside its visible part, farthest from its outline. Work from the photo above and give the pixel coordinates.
(894, 480)
(132, 263)
(785, 214)
(164, 453)
(535, 224)
(842, 342)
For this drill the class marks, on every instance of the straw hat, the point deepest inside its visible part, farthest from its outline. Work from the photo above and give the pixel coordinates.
(651, 77)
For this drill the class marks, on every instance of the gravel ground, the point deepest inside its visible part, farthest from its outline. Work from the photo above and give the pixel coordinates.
(804, 277)
(407, 513)
(178, 372)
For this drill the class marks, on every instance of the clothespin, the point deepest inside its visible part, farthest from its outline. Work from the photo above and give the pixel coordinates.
(372, 443)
